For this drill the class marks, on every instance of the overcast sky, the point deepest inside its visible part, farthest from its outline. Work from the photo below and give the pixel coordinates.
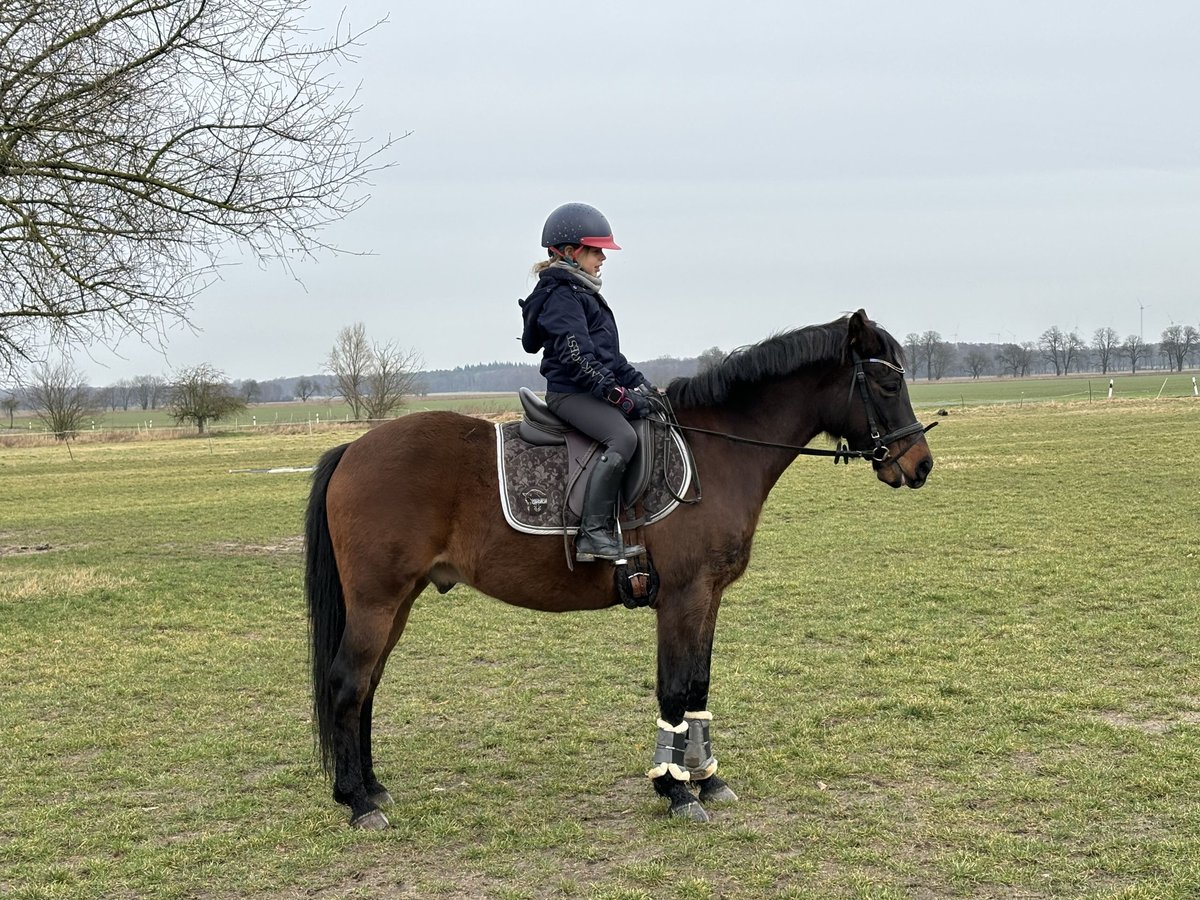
(985, 170)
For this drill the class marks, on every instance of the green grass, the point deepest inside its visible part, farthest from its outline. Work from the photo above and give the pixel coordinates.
(986, 688)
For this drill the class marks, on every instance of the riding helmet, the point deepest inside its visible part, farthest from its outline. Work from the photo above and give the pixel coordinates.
(578, 224)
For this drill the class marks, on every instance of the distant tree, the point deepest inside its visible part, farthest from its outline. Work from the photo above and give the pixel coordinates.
(201, 394)
(710, 358)
(61, 398)
(1015, 359)
(251, 390)
(1135, 350)
(10, 404)
(1074, 352)
(149, 390)
(305, 388)
(391, 375)
(137, 137)
(1053, 347)
(1106, 342)
(1177, 344)
(348, 363)
(105, 397)
(978, 362)
(943, 357)
(931, 343)
(912, 352)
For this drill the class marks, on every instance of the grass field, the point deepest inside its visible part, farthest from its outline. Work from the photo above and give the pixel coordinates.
(986, 688)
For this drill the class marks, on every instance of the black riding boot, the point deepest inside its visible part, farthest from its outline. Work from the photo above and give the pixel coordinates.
(597, 537)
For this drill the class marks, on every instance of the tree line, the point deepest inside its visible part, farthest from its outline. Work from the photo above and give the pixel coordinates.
(1055, 352)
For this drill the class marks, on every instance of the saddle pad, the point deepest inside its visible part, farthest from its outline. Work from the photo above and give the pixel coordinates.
(533, 482)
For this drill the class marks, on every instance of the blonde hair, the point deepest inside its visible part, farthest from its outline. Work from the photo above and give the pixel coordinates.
(541, 265)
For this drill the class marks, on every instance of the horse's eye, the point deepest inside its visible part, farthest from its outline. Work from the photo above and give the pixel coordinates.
(890, 386)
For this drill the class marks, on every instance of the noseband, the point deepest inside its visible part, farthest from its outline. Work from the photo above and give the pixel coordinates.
(881, 451)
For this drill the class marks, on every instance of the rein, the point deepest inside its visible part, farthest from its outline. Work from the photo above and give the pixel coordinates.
(878, 454)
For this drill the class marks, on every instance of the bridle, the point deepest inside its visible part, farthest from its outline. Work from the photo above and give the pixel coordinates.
(881, 450)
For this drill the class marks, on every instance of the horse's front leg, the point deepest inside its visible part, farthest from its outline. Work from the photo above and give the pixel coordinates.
(683, 752)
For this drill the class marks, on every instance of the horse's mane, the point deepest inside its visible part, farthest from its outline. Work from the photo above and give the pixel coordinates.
(778, 355)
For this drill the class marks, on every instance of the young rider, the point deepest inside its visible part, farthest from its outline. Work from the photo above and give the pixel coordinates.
(589, 382)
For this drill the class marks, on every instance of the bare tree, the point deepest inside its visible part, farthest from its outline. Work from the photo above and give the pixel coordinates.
(61, 398)
(1015, 359)
(978, 362)
(943, 357)
(1177, 344)
(1135, 350)
(1105, 341)
(931, 341)
(125, 390)
(348, 362)
(1053, 347)
(391, 376)
(149, 390)
(251, 390)
(10, 404)
(1074, 352)
(202, 394)
(912, 351)
(306, 387)
(137, 137)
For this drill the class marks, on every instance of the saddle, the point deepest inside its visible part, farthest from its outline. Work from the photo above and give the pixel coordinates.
(543, 462)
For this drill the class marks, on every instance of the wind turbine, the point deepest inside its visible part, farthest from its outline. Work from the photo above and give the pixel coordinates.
(1142, 322)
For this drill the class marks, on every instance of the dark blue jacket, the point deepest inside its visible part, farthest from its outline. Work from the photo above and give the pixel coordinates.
(577, 333)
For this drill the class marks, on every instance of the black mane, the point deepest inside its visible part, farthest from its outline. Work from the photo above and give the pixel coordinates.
(781, 354)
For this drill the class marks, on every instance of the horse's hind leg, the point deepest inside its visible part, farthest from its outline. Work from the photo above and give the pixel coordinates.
(369, 634)
(376, 792)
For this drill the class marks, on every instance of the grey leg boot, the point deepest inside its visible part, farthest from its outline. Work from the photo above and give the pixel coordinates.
(597, 537)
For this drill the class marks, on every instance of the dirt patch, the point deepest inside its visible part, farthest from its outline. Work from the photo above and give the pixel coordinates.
(1154, 725)
(25, 549)
(293, 544)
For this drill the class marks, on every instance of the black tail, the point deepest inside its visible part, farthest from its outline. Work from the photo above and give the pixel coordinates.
(326, 604)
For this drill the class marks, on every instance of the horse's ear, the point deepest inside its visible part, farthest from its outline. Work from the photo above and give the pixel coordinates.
(858, 333)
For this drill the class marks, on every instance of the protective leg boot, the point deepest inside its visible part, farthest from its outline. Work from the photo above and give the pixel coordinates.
(597, 537)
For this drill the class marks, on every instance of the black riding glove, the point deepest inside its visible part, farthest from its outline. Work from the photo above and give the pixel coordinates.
(631, 403)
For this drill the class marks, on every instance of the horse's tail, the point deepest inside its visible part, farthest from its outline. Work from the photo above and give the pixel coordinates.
(326, 602)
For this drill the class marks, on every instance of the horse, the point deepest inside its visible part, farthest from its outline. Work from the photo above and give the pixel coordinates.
(415, 502)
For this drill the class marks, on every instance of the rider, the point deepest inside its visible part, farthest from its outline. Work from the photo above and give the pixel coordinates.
(589, 382)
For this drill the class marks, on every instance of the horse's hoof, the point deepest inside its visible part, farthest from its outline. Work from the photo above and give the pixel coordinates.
(722, 794)
(691, 812)
(371, 821)
(382, 799)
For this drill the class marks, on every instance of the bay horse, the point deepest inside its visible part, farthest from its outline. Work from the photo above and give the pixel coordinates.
(416, 501)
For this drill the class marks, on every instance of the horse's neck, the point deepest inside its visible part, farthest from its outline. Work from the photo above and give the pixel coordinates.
(783, 412)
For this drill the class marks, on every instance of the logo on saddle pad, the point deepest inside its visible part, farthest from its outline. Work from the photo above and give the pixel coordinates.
(541, 486)
(535, 501)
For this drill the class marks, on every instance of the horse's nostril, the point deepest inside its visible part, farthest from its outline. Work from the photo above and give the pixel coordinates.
(924, 467)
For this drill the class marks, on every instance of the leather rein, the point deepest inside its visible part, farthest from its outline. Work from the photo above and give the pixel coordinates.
(877, 454)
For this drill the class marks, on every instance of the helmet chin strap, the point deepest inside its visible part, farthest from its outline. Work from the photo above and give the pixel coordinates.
(557, 254)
